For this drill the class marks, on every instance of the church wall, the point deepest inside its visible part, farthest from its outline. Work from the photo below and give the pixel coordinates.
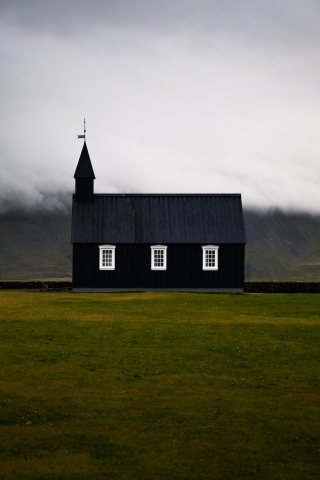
(133, 268)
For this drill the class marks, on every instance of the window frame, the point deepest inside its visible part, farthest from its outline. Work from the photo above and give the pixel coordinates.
(153, 249)
(113, 256)
(205, 248)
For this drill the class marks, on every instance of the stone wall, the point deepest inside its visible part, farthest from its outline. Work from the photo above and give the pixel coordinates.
(250, 287)
(282, 287)
(36, 285)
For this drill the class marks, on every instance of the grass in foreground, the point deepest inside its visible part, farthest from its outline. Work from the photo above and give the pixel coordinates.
(159, 386)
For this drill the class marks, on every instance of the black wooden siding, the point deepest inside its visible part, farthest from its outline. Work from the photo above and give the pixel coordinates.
(84, 190)
(133, 267)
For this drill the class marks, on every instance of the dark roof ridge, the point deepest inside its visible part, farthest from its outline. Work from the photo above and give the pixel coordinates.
(159, 219)
(167, 194)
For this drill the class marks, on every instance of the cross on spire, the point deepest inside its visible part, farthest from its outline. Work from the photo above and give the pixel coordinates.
(84, 130)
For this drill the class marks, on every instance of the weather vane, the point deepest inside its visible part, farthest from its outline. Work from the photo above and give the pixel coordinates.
(84, 130)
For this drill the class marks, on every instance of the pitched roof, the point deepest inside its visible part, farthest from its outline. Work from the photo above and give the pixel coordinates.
(84, 168)
(156, 219)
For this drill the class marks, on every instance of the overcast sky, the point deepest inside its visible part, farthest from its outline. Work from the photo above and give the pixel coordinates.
(189, 96)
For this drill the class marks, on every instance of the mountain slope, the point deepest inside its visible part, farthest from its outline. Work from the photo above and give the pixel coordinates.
(281, 246)
(35, 246)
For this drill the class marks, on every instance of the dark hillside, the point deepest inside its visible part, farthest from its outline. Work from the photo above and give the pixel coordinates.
(281, 246)
(35, 246)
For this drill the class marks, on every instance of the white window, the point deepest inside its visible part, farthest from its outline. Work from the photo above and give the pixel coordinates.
(107, 257)
(210, 257)
(158, 257)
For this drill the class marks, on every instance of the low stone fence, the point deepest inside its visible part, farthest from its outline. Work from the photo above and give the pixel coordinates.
(249, 287)
(15, 285)
(282, 287)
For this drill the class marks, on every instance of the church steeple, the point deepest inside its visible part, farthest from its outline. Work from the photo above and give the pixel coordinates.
(84, 176)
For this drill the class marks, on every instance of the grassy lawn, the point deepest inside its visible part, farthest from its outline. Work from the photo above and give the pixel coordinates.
(159, 386)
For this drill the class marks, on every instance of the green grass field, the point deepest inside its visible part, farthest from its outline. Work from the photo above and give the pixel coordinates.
(168, 386)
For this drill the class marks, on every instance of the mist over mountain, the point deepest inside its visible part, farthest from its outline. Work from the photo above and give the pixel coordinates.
(33, 202)
(179, 96)
(35, 243)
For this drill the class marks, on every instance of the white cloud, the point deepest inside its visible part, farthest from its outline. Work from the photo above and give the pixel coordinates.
(167, 110)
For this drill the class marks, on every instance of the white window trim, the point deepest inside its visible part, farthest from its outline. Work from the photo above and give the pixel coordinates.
(113, 258)
(159, 247)
(209, 247)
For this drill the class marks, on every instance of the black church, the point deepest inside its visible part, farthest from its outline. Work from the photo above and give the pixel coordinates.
(155, 242)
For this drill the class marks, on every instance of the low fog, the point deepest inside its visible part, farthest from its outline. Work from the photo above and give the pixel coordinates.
(185, 96)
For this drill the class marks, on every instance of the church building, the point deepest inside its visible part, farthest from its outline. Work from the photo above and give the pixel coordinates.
(155, 242)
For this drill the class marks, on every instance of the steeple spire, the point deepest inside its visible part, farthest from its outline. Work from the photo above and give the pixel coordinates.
(84, 168)
(84, 176)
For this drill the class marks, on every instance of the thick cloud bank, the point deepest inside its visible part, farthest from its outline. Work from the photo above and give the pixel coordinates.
(180, 96)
